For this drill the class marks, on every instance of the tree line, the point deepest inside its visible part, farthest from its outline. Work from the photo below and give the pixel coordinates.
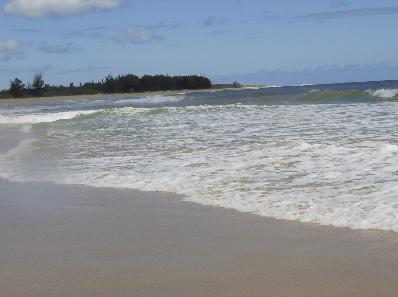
(111, 84)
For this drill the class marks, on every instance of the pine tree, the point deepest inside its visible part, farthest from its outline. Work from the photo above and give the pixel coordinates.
(17, 88)
(37, 86)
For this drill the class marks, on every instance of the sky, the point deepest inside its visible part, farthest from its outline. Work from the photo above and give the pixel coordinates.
(252, 41)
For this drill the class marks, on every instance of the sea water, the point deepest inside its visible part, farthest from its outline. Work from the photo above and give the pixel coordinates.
(324, 154)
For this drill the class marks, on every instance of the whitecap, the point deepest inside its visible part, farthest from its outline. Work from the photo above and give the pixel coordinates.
(36, 118)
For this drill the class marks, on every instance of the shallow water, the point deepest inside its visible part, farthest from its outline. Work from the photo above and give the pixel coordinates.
(322, 154)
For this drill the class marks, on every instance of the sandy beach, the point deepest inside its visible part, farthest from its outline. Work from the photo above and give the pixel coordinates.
(81, 241)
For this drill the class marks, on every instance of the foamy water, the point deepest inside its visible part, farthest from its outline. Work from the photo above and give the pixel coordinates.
(385, 93)
(330, 163)
(41, 117)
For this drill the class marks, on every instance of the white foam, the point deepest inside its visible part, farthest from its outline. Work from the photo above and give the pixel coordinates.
(154, 99)
(26, 128)
(384, 93)
(18, 151)
(42, 117)
(334, 165)
(183, 109)
(10, 168)
(250, 88)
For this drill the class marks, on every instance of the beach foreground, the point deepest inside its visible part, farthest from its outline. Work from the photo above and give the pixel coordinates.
(81, 241)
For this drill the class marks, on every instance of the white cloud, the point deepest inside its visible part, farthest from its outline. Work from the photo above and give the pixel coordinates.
(9, 48)
(42, 8)
(137, 36)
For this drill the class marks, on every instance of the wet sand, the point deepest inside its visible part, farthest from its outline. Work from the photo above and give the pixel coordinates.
(10, 137)
(80, 241)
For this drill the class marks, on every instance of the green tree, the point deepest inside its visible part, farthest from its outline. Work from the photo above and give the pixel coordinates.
(236, 84)
(37, 86)
(109, 84)
(17, 88)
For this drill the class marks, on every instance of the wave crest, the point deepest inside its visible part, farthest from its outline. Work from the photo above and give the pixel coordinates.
(43, 117)
(385, 93)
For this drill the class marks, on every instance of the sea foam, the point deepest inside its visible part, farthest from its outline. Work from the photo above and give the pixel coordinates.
(384, 93)
(154, 99)
(334, 164)
(36, 118)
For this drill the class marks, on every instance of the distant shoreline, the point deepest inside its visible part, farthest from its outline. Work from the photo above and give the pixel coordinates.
(16, 101)
(99, 96)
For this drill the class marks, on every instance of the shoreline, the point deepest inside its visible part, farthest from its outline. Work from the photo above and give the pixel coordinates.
(17, 101)
(63, 240)
(75, 240)
(14, 136)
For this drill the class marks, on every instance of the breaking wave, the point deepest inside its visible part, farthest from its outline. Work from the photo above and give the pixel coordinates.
(42, 117)
(325, 95)
(155, 99)
(385, 93)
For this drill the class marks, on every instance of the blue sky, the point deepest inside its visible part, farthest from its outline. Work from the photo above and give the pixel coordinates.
(252, 41)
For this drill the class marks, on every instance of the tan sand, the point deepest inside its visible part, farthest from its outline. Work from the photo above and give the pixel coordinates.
(79, 241)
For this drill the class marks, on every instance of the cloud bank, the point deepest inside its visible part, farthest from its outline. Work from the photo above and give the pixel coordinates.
(42, 8)
(10, 48)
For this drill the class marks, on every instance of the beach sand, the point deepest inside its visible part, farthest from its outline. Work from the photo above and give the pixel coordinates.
(58, 240)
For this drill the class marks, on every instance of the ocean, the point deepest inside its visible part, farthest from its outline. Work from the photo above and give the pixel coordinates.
(325, 154)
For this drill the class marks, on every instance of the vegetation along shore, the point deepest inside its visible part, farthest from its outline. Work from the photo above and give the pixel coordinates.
(123, 84)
